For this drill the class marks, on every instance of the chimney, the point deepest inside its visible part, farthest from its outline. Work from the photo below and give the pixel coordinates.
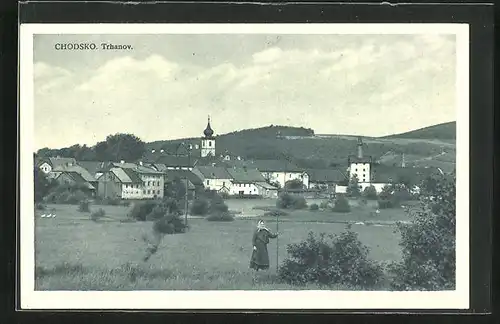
(403, 163)
(140, 163)
(360, 148)
(122, 161)
(161, 151)
(152, 151)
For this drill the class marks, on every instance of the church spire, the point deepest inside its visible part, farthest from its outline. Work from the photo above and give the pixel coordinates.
(208, 130)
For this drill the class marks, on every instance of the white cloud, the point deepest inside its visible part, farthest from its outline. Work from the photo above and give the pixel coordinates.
(407, 85)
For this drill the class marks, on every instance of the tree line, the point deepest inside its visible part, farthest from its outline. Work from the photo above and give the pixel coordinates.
(116, 147)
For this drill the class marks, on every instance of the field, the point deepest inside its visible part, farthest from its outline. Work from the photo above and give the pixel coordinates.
(75, 253)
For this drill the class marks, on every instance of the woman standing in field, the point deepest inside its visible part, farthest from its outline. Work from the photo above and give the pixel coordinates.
(260, 256)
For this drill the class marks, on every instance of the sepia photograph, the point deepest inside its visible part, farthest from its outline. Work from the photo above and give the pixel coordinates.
(244, 166)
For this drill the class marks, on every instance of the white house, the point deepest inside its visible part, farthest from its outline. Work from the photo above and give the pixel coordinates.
(360, 166)
(247, 182)
(281, 171)
(48, 164)
(214, 178)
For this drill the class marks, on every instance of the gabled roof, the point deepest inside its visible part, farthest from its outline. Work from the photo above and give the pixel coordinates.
(245, 175)
(210, 172)
(126, 175)
(183, 174)
(58, 161)
(266, 185)
(175, 160)
(75, 168)
(275, 166)
(160, 167)
(92, 167)
(77, 178)
(326, 175)
(142, 169)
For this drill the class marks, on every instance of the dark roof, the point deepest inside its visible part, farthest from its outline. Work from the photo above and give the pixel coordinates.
(183, 174)
(132, 174)
(355, 159)
(60, 161)
(175, 160)
(275, 165)
(77, 177)
(245, 175)
(211, 172)
(93, 167)
(326, 175)
(386, 174)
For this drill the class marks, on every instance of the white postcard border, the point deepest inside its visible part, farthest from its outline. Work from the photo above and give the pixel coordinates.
(31, 299)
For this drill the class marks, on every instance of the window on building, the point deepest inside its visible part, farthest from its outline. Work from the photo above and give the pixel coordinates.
(208, 182)
(149, 192)
(144, 192)
(223, 183)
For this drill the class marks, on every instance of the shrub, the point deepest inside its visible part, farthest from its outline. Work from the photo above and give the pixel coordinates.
(112, 201)
(169, 224)
(341, 205)
(220, 217)
(314, 207)
(84, 206)
(275, 213)
(428, 240)
(342, 259)
(353, 188)
(385, 204)
(199, 207)
(324, 205)
(125, 203)
(142, 209)
(159, 211)
(97, 215)
(40, 206)
(370, 193)
(218, 207)
(288, 201)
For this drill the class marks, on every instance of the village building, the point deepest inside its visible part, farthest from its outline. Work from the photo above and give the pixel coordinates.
(48, 164)
(360, 166)
(130, 181)
(326, 179)
(94, 168)
(214, 178)
(280, 172)
(248, 182)
(75, 179)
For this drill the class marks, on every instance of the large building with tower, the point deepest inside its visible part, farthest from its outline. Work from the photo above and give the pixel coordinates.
(360, 165)
(208, 141)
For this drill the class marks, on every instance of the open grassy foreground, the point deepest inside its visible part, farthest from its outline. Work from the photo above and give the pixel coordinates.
(75, 253)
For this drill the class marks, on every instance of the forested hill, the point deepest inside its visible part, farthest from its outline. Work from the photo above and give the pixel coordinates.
(445, 131)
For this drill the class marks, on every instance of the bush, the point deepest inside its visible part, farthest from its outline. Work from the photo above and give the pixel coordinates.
(125, 203)
(370, 193)
(341, 205)
(314, 207)
(142, 209)
(97, 215)
(169, 224)
(342, 259)
(385, 204)
(40, 206)
(324, 205)
(199, 207)
(353, 188)
(159, 211)
(275, 213)
(220, 217)
(428, 241)
(84, 206)
(288, 201)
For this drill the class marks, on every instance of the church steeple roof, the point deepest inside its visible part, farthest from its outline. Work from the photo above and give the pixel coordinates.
(208, 131)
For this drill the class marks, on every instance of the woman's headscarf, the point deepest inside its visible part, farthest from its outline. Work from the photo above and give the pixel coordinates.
(261, 225)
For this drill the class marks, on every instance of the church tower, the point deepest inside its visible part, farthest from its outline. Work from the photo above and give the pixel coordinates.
(208, 141)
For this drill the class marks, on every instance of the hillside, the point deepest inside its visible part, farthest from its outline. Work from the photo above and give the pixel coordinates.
(308, 150)
(445, 131)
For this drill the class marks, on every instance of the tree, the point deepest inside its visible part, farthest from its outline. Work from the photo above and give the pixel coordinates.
(353, 189)
(42, 185)
(370, 192)
(119, 147)
(294, 184)
(428, 241)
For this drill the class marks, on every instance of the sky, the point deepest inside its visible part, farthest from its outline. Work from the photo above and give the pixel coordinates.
(167, 85)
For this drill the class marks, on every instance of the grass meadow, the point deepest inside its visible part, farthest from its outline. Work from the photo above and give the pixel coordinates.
(76, 253)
